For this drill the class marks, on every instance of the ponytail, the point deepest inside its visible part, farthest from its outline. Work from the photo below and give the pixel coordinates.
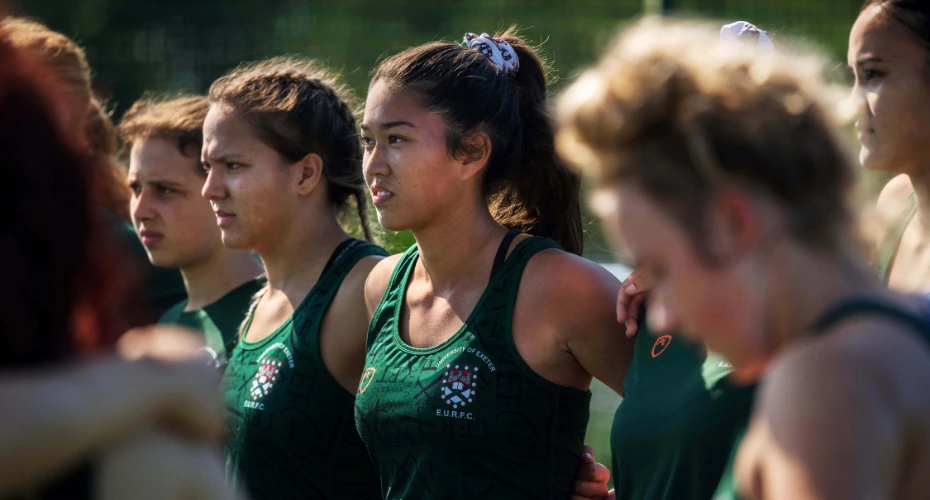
(527, 187)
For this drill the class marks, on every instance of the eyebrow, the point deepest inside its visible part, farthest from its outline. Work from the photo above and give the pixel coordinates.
(160, 182)
(388, 125)
(224, 158)
(867, 60)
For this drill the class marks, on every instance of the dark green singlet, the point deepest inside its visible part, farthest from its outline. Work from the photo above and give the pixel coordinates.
(218, 321)
(843, 309)
(467, 418)
(674, 430)
(292, 433)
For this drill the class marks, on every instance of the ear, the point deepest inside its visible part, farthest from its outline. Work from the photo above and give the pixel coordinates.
(475, 157)
(734, 226)
(309, 174)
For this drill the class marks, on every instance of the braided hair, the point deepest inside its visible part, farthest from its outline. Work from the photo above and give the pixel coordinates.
(297, 107)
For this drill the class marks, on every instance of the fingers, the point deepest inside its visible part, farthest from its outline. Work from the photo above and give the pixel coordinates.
(588, 456)
(632, 324)
(162, 342)
(591, 481)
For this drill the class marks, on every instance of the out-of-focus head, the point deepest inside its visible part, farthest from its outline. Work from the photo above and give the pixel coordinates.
(889, 54)
(78, 111)
(280, 134)
(65, 282)
(174, 221)
(708, 155)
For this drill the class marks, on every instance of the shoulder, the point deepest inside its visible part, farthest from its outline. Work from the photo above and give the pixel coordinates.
(377, 281)
(893, 200)
(581, 288)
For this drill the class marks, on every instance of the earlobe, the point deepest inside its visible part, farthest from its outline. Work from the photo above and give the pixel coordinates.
(311, 171)
(736, 225)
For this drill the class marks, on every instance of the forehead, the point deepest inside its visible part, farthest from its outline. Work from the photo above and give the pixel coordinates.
(877, 34)
(641, 225)
(227, 132)
(386, 103)
(158, 157)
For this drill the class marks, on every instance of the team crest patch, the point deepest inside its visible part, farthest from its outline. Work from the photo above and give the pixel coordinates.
(458, 384)
(265, 378)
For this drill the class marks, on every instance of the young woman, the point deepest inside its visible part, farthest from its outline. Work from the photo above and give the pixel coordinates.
(888, 50)
(176, 223)
(82, 116)
(483, 339)
(723, 172)
(283, 159)
(77, 421)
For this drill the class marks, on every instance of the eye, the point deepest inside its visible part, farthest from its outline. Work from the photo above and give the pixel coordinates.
(135, 187)
(164, 190)
(234, 166)
(368, 142)
(393, 139)
(205, 166)
(871, 74)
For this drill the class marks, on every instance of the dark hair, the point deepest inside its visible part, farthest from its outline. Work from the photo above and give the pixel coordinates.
(298, 108)
(59, 300)
(179, 120)
(912, 14)
(527, 186)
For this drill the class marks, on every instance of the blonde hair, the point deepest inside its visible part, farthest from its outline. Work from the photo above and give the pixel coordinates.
(679, 113)
(178, 119)
(297, 107)
(67, 64)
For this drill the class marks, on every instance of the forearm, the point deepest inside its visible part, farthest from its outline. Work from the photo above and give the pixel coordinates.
(52, 420)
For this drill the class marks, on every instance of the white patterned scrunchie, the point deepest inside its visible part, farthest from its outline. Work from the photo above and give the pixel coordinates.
(743, 31)
(497, 50)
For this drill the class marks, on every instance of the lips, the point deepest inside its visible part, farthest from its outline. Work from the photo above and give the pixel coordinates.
(223, 218)
(150, 237)
(380, 195)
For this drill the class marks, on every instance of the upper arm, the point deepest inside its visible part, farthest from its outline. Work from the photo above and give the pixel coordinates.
(578, 298)
(345, 326)
(820, 431)
(377, 282)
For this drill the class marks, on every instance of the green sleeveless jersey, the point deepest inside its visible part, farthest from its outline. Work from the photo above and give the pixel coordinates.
(218, 321)
(680, 415)
(467, 418)
(292, 433)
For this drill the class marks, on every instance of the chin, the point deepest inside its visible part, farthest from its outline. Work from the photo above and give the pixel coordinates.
(235, 240)
(871, 161)
(392, 223)
(163, 259)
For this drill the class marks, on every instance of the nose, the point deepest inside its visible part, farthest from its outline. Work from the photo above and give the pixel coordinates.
(214, 187)
(142, 208)
(375, 164)
(856, 105)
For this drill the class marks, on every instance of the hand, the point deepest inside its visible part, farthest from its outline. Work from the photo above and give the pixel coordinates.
(161, 342)
(633, 293)
(190, 403)
(591, 480)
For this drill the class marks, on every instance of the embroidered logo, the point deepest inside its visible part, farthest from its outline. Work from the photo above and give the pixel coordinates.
(661, 345)
(458, 384)
(367, 377)
(265, 378)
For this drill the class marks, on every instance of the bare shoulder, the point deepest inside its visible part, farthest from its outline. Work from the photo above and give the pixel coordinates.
(576, 285)
(377, 281)
(893, 198)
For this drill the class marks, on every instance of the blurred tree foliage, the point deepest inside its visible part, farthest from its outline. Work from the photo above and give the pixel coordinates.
(183, 45)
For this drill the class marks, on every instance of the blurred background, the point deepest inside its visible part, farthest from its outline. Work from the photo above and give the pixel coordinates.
(170, 46)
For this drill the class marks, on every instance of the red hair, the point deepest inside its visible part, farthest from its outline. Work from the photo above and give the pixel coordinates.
(65, 281)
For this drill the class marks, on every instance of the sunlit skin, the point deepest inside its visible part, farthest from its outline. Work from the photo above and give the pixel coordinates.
(418, 185)
(891, 93)
(280, 209)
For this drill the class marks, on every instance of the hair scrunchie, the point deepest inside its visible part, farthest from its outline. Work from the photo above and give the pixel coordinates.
(497, 50)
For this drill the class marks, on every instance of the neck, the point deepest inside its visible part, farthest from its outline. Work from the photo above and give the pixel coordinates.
(294, 262)
(921, 183)
(802, 284)
(448, 248)
(208, 281)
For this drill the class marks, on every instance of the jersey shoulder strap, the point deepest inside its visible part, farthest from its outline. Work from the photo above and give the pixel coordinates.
(867, 305)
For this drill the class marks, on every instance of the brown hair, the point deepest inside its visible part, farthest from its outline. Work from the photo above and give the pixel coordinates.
(527, 186)
(179, 120)
(680, 114)
(70, 75)
(61, 300)
(298, 108)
